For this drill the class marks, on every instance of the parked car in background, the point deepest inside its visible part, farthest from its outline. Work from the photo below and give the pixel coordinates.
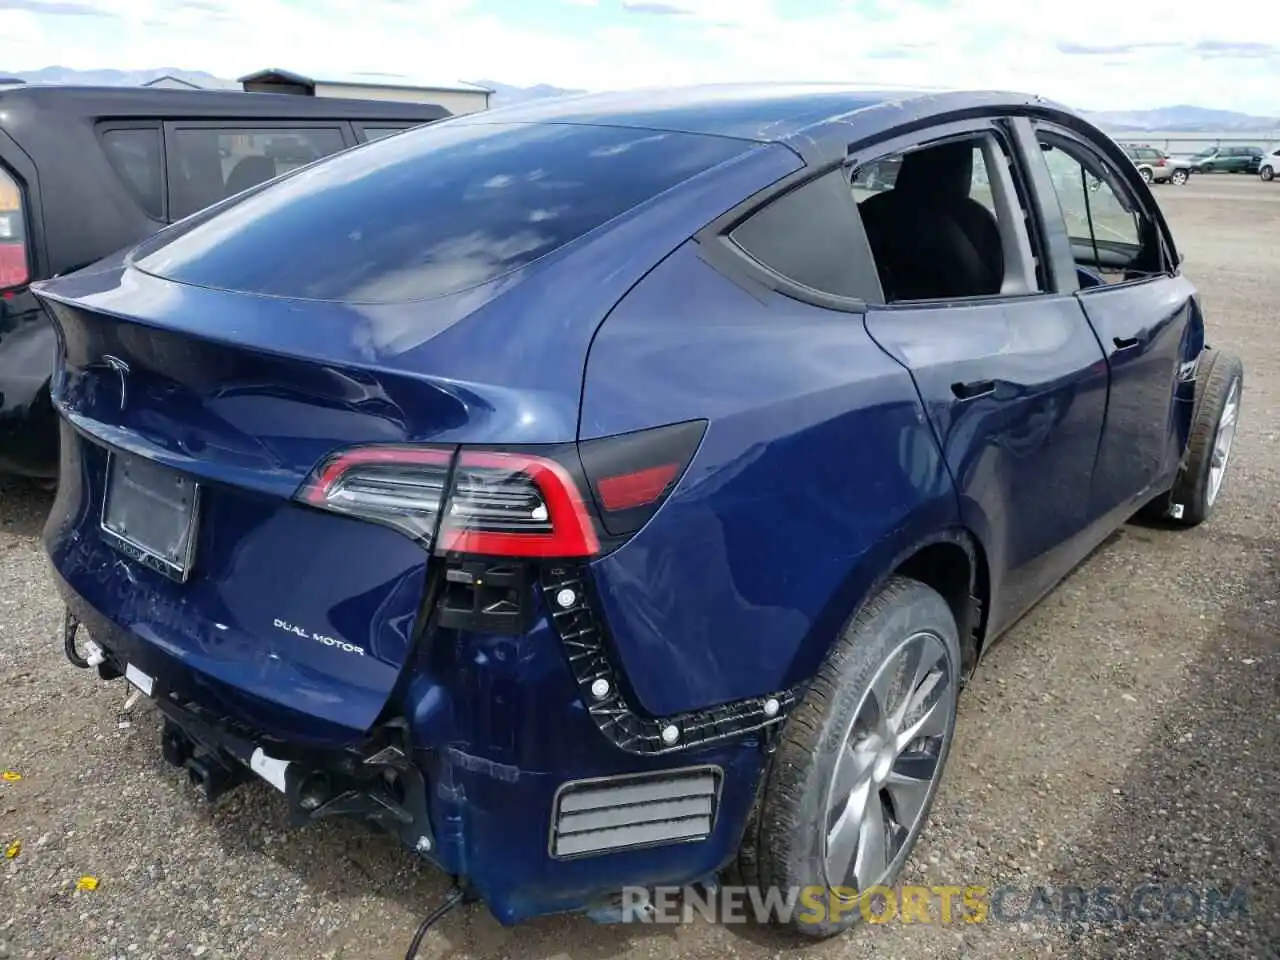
(1156, 166)
(1269, 166)
(1226, 160)
(595, 492)
(85, 171)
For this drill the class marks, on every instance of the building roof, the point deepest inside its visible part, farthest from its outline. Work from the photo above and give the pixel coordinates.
(817, 120)
(171, 79)
(28, 100)
(395, 81)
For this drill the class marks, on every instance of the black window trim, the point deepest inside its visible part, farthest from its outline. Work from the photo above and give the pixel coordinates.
(173, 126)
(1128, 180)
(728, 258)
(104, 127)
(721, 252)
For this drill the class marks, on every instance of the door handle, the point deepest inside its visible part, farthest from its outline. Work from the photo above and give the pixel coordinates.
(973, 389)
(1124, 343)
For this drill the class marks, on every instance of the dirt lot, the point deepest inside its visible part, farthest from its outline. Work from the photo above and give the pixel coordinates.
(1128, 731)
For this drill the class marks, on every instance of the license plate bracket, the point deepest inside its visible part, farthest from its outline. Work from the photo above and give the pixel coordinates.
(150, 513)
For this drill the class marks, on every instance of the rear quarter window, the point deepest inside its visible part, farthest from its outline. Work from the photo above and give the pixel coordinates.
(431, 211)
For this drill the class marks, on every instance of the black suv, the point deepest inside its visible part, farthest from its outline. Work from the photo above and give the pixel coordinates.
(88, 171)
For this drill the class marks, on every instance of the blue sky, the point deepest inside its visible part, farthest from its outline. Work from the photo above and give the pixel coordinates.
(1095, 54)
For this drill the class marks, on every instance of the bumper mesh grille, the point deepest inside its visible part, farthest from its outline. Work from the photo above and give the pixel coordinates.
(644, 810)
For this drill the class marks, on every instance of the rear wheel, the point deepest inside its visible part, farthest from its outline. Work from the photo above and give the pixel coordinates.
(1178, 177)
(1267, 174)
(1146, 174)
(1213, 431)
(850, 785)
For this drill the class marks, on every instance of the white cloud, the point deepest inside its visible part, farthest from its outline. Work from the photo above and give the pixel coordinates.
(1142, 58)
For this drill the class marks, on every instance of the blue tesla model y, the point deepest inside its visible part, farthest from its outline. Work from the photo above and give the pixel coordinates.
(602, 492)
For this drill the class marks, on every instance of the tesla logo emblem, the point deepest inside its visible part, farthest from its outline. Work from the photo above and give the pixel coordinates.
(121, 368)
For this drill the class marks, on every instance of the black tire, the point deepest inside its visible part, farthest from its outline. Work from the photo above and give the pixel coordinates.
(1220, 374)
(784, 847)
(1178, 178)
(1145, 173)
(1266, 174)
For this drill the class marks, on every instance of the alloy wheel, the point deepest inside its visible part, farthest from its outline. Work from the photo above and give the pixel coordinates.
(1222, 441)
(889, 764)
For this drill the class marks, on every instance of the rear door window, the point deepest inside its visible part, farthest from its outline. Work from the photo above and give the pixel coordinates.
(210, 164)
(136, 154)
(438, 209)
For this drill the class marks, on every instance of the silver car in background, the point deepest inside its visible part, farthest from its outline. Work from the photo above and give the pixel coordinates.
(1156, 166)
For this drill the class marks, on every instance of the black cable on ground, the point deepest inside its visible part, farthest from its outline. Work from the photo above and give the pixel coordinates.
(455, 897)
(70, 625)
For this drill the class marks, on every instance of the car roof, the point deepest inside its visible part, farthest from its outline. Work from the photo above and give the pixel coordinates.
(130, 102)
(812, 118)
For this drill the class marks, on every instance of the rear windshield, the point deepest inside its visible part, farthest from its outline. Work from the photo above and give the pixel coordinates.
(429, 212)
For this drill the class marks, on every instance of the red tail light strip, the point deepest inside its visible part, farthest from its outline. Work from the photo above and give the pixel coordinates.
(637, 489)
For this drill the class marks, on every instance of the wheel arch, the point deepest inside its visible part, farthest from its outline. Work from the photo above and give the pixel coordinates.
(953, 563)
(950, 560)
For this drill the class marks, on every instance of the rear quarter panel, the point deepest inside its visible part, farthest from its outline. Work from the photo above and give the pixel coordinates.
(816, 468)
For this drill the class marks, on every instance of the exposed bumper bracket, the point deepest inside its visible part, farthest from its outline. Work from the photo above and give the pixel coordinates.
(566, 594)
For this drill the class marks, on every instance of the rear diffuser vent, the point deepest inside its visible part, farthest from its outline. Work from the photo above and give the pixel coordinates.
(641, 810)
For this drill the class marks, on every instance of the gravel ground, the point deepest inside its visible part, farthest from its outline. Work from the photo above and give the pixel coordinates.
(1125, 733)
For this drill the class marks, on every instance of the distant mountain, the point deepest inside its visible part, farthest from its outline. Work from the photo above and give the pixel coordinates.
(122, 78)
(504, 94)
(1183, 119)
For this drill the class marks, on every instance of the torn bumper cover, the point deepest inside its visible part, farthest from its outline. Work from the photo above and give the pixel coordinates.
(493, 766)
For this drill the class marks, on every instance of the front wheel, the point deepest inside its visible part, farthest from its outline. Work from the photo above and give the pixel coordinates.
(1146, 175)
(1178, 178)
(849, 787)
(1266, 174)
(1213, 432)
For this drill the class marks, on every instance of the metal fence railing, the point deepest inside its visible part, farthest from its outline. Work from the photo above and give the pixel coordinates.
(1182, 142)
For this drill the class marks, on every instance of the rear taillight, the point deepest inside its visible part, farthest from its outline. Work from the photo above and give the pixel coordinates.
(481, 502)
(1160, 162)
(515, 505)
(402, 487)
(560, 502)
(15, 270)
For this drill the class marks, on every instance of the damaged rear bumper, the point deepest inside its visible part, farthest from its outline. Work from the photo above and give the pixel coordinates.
(492, 766)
